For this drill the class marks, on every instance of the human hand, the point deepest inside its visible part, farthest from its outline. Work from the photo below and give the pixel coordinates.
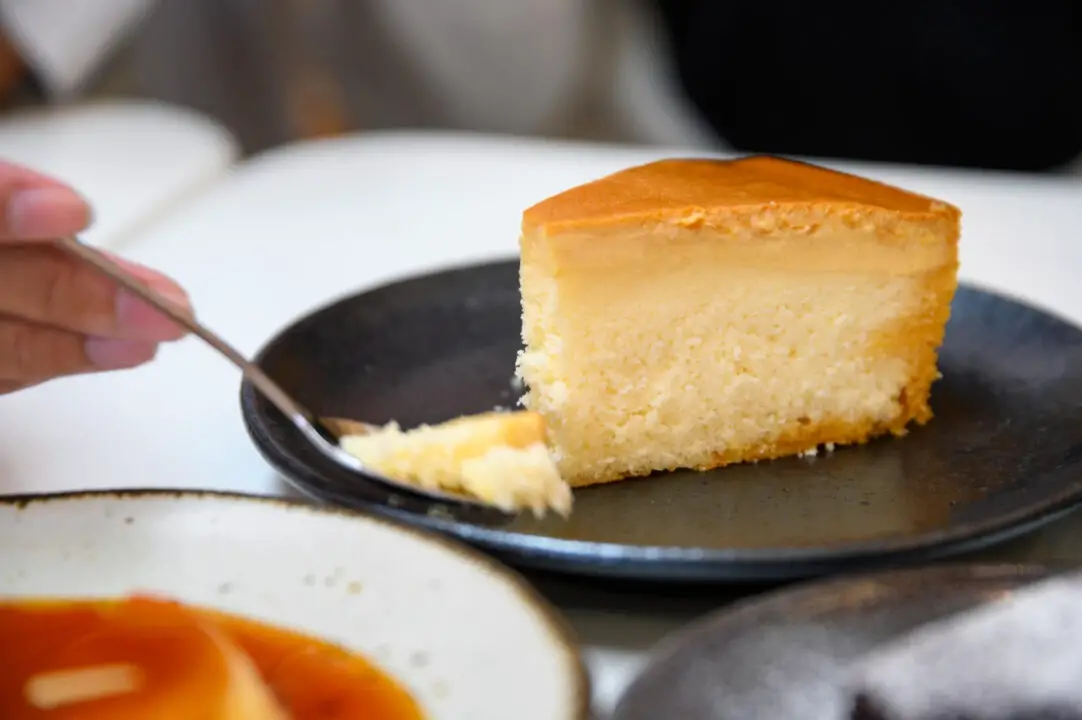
(58, 315)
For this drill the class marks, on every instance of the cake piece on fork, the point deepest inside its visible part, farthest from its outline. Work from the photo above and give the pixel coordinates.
(500, 458)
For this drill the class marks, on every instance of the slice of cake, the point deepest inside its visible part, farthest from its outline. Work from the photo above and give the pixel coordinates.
(500, 458)
(696, 313)
(141, 658)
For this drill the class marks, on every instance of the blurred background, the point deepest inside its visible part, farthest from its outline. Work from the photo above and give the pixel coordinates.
(977, 83)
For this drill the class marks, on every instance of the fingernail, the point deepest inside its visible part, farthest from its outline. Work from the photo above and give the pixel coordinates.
(138, 319)
(45, 213)
(110, 354)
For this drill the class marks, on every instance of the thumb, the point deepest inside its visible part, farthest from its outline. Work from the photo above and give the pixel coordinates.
(36, 207)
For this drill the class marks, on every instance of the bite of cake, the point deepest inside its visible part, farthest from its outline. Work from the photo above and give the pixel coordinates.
(500, 458)
(696, 313)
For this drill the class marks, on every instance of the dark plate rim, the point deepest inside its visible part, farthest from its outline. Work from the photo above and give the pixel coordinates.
(548, 551)
(752, 610)
(553, 620)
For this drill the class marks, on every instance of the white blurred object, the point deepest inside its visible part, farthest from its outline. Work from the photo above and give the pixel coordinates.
(132, 161)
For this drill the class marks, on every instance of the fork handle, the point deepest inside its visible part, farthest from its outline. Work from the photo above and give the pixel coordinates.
(273, 392)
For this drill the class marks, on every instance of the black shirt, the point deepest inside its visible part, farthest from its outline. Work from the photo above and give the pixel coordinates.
(979, 83)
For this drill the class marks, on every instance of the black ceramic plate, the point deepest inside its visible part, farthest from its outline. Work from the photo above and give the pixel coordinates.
(1002, 455)
(784, 656)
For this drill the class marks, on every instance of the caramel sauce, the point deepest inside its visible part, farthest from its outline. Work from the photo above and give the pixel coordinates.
(180, 660)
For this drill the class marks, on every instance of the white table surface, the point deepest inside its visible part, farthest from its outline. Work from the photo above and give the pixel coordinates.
(299, 226)
(133, 160)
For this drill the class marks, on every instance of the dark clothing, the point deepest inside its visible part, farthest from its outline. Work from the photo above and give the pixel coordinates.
(978, 83)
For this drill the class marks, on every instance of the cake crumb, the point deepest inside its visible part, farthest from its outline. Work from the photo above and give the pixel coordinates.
(813, 452)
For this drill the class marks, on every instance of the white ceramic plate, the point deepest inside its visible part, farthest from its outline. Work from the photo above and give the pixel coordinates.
(468, 638)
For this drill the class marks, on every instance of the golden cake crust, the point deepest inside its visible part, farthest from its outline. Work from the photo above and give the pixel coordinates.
(676, 190)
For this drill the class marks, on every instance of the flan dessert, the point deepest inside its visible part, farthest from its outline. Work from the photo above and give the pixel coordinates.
(137, 659)
(694, 313)
(500, 458)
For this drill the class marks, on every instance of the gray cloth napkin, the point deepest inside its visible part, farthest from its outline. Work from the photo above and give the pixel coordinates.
(1019, 658)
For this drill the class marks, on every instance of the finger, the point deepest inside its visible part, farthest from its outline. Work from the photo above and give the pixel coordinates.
(43, 214)
(10, 386)
(32, 353)
(46, 285)
(34, 206)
